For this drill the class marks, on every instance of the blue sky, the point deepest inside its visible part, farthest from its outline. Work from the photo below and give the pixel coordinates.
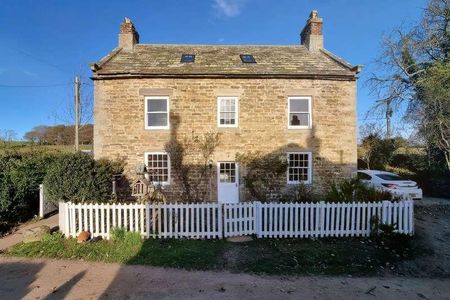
(48, 42)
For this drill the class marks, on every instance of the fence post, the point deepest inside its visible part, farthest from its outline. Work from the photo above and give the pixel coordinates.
(41, 201)
(258, 215)
(62, 217)
(411, 216)
(147, 219)
(385, 213)
(322, 218)
(220, 208)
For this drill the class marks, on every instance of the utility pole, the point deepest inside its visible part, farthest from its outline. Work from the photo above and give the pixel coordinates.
(388, 119)
(77, 111)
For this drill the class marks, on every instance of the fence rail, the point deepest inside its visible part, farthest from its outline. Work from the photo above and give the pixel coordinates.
(215, 220)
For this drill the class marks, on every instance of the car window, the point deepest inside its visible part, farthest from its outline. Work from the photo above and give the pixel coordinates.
(390, 177)
(364, 176)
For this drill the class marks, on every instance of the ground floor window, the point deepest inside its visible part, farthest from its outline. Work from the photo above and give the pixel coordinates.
(299, 167)
(158, 167)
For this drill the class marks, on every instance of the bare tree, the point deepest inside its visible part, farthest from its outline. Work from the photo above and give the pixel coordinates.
(66, 114)
(408, 77)
(8, 135)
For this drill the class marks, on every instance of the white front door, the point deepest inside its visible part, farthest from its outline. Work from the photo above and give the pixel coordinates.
(228, 182)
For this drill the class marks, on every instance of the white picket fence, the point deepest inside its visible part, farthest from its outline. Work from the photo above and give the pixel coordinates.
(215, 220)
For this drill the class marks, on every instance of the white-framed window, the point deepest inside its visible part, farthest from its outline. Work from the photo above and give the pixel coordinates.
(158, 167)
(227, 112)
(299, 167)
(157, 112)
(299, 113)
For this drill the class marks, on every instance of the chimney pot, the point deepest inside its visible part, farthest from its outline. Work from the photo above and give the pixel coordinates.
(128, 36)
(311, 35)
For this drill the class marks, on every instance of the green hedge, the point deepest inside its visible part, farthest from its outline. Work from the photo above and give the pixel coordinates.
(79, 178)
(66, 177)
(20, 176)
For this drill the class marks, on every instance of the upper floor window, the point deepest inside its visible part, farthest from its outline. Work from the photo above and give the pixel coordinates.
(299, 167)
(299, 112)
(158, 167)
(157, 112)
(227, 112)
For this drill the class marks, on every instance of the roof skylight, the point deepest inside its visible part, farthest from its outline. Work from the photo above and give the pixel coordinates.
(187, 58)
(247, 58)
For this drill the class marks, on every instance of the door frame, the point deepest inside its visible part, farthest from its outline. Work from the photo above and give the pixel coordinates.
(236, 179)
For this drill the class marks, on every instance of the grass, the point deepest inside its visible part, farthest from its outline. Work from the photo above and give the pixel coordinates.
(22, 147)
(342, 256)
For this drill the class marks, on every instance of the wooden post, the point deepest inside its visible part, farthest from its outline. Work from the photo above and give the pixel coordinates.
(62, 217)
(77, 111)
(41, 201)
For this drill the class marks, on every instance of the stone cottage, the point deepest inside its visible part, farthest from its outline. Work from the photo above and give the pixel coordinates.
(297, 99)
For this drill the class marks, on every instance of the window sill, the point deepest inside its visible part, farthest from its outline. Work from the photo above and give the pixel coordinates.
(157, 128)
(162, 184)
(300, 127)
(299, 182)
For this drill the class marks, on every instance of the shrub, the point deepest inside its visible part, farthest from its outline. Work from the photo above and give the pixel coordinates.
(190, 159)
(20, 176)
(263, 173)
(78, 178)
(53, 237)
(353, 190)
(299, 193)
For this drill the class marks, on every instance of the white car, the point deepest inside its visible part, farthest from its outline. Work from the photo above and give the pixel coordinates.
(391, 182)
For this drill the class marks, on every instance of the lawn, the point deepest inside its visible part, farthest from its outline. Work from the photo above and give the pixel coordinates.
(23, 147)
(343, 256)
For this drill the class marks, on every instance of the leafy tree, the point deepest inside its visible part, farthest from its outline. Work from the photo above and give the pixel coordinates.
(435, 88)
(375, 151)
(413, 77)
(59, 134)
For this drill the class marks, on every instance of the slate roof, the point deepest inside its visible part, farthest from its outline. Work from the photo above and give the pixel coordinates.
(294, 61)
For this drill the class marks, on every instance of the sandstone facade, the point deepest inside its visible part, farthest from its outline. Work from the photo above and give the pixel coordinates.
(262, 78)
(119, 131)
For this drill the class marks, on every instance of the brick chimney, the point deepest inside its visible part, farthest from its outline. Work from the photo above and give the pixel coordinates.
(128, 36)
(311, 35)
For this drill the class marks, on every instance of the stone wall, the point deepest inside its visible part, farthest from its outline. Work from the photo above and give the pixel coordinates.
(119, 130)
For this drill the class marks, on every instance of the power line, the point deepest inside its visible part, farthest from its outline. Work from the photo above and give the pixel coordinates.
(34, 86)
(38, 59)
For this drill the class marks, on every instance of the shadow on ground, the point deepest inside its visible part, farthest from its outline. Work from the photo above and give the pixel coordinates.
(19, 279)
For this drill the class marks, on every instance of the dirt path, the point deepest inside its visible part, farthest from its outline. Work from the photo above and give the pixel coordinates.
(432, 226)
(17, 236)
(51, 279)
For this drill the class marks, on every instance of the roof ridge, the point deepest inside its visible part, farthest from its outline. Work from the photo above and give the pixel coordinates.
(223, 45)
